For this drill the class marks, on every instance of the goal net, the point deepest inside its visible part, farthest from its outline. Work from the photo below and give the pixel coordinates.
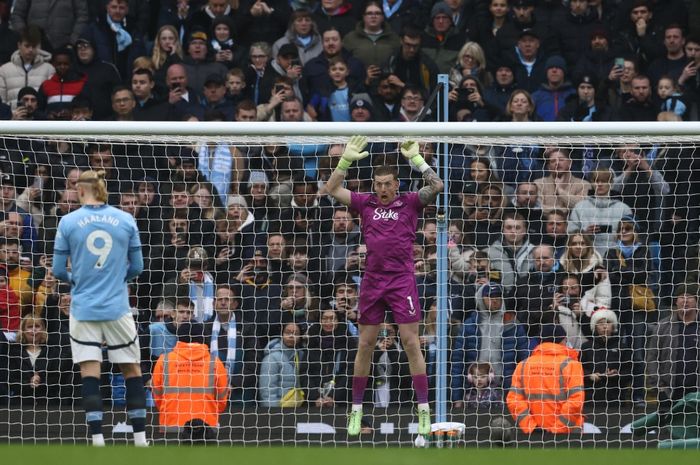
(591, 240)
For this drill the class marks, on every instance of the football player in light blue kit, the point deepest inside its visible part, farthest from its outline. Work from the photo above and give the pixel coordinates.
(103, 245)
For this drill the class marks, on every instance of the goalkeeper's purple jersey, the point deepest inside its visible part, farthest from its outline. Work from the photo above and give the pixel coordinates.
(389, 231)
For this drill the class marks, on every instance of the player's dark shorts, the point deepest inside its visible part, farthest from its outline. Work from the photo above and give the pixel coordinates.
(397, 292)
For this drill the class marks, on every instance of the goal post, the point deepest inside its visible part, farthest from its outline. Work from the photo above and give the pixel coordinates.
(294, 221)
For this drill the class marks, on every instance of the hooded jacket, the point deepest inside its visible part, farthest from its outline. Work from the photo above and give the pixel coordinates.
(13, 75)
(278, 372)
(547, 390)
(512, 264)
(102, 77)
(549, 102)
(468, 345)
(602, 211)
(189, 383)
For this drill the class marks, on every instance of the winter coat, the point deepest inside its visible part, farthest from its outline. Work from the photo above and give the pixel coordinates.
(549, 102)
(599, 355)
(371, 52)
(532, 292)
(57, 93)
(264, 28)
(10, 310)
(101, 34)
(635, 271)
(512, 264)
(61, 20)
(343, 20)
(279, 372)
(467, 345)
(661, 355)
(102, 77)
(443, 51)
(602, 211)
(328, 365)
(316, 71)
(13, 76)
(575, 110)
(573, 33)
(528, 81)
(306, 53)
(47, 366)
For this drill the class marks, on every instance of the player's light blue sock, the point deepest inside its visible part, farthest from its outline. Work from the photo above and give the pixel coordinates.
(92, 403)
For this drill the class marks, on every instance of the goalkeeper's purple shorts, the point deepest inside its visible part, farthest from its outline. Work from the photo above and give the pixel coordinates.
(379, 292)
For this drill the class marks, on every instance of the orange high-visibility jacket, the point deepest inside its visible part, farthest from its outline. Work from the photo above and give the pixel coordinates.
(547, 390)
(189, 383)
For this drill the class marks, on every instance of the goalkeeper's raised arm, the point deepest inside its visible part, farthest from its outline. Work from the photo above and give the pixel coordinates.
(433, 183)
(354, 151)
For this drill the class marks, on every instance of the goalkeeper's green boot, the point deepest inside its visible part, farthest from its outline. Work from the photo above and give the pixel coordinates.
(424, 421)
(354, 422)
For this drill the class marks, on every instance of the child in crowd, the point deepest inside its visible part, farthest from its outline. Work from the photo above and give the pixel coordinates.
(670, 95)
(333, 104)
(235, 84)
(484, 391)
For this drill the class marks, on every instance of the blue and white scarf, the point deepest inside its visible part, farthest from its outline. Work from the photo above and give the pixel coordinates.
(202, 294)
(231, 339)
(389, 10)
(123, 37)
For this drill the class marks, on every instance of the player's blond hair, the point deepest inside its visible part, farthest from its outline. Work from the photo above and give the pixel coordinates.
(95, 181)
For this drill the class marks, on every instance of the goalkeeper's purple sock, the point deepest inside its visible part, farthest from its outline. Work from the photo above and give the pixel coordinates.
(359, 384)
(420, 385)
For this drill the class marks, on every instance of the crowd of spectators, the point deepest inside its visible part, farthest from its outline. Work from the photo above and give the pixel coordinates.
(243, 238)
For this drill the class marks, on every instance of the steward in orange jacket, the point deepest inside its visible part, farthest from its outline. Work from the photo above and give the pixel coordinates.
(188, 383)
(547, 388)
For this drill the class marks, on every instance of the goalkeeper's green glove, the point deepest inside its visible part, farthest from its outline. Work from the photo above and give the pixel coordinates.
(409, 150)
(353, 152)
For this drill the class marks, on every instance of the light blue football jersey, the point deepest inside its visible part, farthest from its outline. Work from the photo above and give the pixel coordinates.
(98, 240)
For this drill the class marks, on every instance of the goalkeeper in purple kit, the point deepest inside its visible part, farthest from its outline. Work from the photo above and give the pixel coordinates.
(389, 221)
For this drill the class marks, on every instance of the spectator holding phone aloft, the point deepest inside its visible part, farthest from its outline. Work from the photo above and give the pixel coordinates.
(599, 215)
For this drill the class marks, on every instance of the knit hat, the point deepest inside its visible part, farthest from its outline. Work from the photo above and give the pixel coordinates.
(587, 79)
(689, 289)
(197, 34)
(29, 90)
(555, 61)
(257, 177)
(552, 333)
(523, 3)
(361, 100)
(237, 200)
(288, 50)
(440, 8)
(603, 313)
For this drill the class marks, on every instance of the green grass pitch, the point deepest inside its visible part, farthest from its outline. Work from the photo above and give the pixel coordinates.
(120, 455)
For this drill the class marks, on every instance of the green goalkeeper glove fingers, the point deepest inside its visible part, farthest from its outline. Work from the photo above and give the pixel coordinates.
(409, 150)
(353, 152)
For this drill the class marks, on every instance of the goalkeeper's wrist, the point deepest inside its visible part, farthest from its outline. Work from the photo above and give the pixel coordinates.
(419, 162)
(344, 164)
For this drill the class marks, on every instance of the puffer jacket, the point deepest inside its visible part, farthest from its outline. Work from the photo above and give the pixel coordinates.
(13, 76)
(511, 264)
(278, 372)
(61, 20)
(468, 344)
